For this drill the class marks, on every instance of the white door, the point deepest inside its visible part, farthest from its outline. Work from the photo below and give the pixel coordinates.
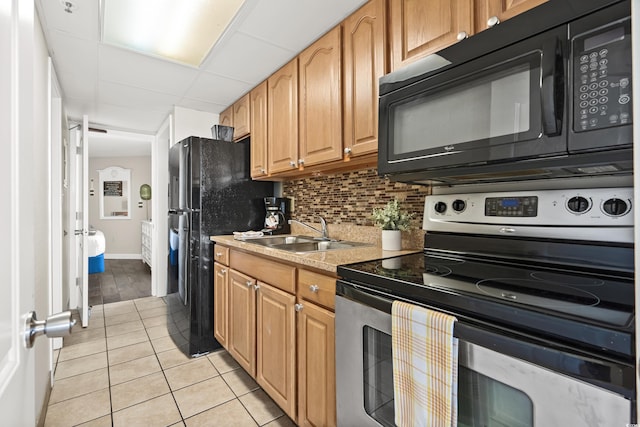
(17, 252)
(82, 222)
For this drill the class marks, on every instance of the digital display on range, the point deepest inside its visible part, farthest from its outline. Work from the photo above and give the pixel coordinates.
(511, 206)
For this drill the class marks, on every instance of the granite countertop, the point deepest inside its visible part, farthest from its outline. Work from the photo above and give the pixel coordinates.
(324, 260)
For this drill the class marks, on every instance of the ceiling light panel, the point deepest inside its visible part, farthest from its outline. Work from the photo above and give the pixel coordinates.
(179, 30)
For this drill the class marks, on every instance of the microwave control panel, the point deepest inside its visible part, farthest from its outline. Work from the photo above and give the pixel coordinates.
(602, 77)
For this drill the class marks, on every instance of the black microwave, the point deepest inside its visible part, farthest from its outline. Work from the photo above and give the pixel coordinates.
(546, 94)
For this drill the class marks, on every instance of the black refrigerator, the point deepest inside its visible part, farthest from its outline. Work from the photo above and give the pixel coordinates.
(210, 193)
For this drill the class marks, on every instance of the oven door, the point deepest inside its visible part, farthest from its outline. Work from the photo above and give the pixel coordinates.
(493, 388)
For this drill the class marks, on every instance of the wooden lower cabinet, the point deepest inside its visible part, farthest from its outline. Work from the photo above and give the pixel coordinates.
(288, 348)
(220, 302)
(275, 346)
(316, 366)
(241, 341)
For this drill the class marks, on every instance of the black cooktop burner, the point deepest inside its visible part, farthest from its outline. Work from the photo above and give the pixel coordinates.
(568, 302)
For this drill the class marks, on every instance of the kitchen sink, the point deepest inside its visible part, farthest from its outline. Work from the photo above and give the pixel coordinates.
(280, 240)
(304, 243)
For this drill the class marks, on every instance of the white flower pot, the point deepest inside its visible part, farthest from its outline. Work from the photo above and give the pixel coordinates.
(391, 240)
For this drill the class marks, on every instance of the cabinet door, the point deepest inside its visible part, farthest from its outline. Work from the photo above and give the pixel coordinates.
(226, 117)
(282, 125)
(421, 27)
(241, 118)
(364, 63)
(220, 303)
(258, 101)
(316, 367)
(241, 338)
(503, 10)
(276, 367)
(321, 100)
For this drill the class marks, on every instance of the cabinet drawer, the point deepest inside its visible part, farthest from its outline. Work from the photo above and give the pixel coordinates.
(281, 276)
(317, 288)
(221, 254)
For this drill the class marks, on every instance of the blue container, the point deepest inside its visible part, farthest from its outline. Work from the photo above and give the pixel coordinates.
(96, 264)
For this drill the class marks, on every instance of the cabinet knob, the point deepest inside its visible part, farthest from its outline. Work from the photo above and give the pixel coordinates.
(218, 254)
(293, 164)
(347, 151)
(298, 307)
(263, 171)
(493, 21)
(223, 271)
(314, 288)
(462, 35)
(249, 283)
(256, 287)
(301, 162)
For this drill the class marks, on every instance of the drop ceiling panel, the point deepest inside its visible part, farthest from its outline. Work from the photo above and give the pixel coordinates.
(110, 145)
(73, 54)
(134, 69)
(116, 117)
(82, 86)
(83, 22)
(217, 89)
(294, 24)
(127, 96)
(196, 104)
(246, 58)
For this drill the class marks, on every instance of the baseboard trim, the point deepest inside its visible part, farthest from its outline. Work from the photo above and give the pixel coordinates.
(45, 404)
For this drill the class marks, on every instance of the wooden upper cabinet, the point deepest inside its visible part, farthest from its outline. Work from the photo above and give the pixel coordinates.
(282, 124)
(364, 63)
(241, 118)
(226, 117)
(421, 27)
(258, 108)
(321, 100)
(502, 9)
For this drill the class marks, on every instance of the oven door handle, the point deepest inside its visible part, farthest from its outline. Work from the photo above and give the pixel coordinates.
(552, 86)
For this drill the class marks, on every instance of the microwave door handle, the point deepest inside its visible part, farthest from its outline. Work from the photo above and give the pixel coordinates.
(552, 87)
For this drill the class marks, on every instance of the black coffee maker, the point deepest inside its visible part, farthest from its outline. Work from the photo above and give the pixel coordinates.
(277, 219)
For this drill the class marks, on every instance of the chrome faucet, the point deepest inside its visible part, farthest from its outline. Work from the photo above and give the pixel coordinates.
(323, 223)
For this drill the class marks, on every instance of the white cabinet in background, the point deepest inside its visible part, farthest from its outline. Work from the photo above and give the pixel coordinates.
(147, 229)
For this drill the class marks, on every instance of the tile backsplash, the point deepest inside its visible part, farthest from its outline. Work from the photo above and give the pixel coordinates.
(349, 198)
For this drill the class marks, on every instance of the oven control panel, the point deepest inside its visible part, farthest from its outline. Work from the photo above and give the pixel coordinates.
(526, 206)
(602, 214)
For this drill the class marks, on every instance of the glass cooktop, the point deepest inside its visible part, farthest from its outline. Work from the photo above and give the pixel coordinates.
(573, 304)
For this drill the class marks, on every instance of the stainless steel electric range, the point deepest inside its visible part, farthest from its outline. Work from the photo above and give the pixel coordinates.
(542, 285)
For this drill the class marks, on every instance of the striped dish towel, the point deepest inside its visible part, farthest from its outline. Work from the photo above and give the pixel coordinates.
(425, 367)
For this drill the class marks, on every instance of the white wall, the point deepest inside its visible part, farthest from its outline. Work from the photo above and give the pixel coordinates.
(187, 122)
(122, 236)
(160, 154)
(38, 218)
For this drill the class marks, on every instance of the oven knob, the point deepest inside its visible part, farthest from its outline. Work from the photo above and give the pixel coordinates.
(615, 207)
(440, 207)
(578, 204)
(458, 205)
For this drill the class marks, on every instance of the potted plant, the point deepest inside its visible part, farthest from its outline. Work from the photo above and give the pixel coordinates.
(392, 220)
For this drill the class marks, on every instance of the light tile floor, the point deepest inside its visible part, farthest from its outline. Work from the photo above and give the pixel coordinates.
(125, 370)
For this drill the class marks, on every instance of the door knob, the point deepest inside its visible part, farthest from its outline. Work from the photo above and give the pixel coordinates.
(56, 325)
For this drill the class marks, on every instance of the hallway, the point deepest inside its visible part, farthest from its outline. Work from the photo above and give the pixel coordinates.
(125, 370)
(122, 280)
